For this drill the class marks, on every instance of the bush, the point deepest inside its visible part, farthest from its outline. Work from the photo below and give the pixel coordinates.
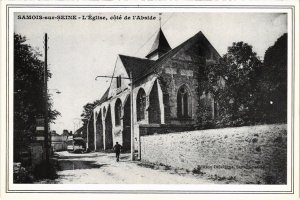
(21, 175)
(45, 170)
(198, 171)
(88, 150)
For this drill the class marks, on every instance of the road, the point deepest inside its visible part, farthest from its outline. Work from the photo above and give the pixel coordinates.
(102, 168)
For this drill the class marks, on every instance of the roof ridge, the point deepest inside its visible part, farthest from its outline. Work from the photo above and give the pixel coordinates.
(209, 43)
(122, 55)
(171, 52)
(180, 45)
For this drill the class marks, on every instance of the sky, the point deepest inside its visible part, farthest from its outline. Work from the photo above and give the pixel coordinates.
(80, 50)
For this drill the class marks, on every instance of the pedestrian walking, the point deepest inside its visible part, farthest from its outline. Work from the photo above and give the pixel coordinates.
(117, 149)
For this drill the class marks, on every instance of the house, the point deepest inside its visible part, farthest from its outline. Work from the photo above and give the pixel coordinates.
(58, 142)
(165, 93)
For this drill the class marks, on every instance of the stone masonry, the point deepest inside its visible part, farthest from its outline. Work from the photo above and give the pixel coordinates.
(256, 154)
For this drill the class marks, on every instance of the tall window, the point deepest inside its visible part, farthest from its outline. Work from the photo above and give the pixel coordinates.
(119, 81)
(183, 102)
(141, 104)
(118, 108)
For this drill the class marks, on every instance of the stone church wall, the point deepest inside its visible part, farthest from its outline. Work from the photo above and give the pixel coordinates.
(176, 74)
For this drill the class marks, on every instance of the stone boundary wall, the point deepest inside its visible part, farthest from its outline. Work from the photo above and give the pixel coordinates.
(249, 155)
(150, 129)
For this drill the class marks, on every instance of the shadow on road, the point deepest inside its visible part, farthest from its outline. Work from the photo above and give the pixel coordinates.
(75, 157)
(77, 164)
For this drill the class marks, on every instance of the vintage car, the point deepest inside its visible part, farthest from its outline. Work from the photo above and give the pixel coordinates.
(79, 145)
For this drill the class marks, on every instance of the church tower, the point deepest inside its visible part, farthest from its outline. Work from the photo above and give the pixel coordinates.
(159, 47)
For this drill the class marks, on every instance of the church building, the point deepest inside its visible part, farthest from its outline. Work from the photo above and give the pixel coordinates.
(165, 93)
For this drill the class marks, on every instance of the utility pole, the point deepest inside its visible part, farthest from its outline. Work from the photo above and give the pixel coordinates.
(46, 100)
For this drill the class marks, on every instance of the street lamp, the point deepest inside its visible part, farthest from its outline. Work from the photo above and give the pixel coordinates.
(131, 108)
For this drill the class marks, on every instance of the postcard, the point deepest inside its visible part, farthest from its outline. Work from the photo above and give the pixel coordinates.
(150, 99)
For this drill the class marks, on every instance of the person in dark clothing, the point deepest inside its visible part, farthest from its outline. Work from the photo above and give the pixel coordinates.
(117, 149)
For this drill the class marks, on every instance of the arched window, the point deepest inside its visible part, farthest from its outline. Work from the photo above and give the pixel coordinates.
(118, 107)
(141, 104)
(183, 103)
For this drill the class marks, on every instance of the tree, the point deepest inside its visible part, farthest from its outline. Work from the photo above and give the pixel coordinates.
(87, 112)
(243, 69)
(239, 69)
(273, 83)
(29, 100)
(66, 132)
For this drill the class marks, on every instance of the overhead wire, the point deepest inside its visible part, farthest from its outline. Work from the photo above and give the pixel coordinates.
(161, 25)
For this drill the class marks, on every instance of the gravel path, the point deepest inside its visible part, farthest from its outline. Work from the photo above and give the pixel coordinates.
(101, 168)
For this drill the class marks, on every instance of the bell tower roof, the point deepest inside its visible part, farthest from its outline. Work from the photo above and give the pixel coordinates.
(159, 47)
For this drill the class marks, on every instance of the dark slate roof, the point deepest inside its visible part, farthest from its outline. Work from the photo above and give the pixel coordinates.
(141, 67)
(79, 130)
(160, 44)
(199, 37)
(136, 65)
(104, 97)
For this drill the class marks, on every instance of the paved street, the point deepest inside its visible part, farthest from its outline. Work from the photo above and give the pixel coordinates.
(101, 168)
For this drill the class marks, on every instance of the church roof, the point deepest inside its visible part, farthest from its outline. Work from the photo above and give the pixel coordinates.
(160, 44)
(135, 65)
(141, 67)
(104, 97)
(199, 37)
(78, 131)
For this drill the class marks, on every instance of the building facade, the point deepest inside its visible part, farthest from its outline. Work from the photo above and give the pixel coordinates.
(165, 93)
(59, 142)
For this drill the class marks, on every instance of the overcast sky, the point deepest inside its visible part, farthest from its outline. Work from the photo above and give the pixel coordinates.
(79, 50)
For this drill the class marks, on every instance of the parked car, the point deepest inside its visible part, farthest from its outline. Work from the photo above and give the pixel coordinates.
(79, 145)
